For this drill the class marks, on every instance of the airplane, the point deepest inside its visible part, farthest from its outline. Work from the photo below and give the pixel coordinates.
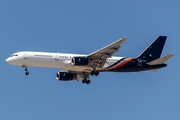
(80, 67)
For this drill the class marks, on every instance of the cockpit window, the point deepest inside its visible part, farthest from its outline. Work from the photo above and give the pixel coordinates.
(14, 55)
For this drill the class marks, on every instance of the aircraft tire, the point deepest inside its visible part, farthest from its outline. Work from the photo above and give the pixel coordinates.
(96, 73)
(83, 81)
(88, 81)
(27, 73)
(93, 72)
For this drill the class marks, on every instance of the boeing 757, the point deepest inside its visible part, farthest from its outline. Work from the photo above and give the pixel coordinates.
(80, 67)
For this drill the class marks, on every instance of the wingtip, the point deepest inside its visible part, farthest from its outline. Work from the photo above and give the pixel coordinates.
(126, 37)
(172, 54)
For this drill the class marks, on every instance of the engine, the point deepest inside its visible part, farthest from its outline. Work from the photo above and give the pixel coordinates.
(65, 76)
(80, 61)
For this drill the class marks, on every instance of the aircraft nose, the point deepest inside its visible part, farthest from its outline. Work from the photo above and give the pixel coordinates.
(8, 60)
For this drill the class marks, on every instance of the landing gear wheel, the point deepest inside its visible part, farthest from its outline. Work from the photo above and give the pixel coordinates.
(96, 73)
(27, 73)
(93, 72)
(83, 81)
(88, 81)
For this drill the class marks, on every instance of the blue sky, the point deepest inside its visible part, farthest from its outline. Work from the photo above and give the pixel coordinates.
(81, 26)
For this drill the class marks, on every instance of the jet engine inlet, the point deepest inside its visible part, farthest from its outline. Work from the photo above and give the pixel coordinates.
(81, 61)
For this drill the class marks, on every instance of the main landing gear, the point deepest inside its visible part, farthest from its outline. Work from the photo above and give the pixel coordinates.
(25, 68)
(86, 81)
(86, 76)
(96, 73)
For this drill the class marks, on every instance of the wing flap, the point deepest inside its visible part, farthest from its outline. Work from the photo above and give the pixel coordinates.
(161, 60)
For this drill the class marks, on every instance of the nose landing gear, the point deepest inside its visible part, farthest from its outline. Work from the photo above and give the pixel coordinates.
(25, 69)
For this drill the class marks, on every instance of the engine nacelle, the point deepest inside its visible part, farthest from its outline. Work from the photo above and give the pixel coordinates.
(81, 61)
(65, 76)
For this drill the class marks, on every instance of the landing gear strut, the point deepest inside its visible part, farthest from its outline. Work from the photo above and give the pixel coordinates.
(27, 73)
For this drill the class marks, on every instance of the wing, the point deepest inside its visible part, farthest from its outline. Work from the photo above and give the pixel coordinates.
(99, 57)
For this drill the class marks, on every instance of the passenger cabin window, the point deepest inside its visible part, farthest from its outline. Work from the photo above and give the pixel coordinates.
(63, 56)
(43, 55)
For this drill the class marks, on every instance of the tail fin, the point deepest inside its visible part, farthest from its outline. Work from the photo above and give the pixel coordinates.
(153, 51)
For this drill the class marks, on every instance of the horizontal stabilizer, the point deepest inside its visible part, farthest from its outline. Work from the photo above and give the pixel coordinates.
(161, 60)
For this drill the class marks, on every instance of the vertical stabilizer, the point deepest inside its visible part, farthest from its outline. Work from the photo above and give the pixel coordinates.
(153, 51)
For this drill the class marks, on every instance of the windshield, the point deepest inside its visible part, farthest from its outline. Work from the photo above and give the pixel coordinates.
(14, 55)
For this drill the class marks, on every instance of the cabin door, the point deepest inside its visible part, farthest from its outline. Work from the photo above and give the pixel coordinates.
(25, 56)
(139, 62)
(57, 57)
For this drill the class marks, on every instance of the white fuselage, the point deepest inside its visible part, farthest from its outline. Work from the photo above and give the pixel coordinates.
(53, 60)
